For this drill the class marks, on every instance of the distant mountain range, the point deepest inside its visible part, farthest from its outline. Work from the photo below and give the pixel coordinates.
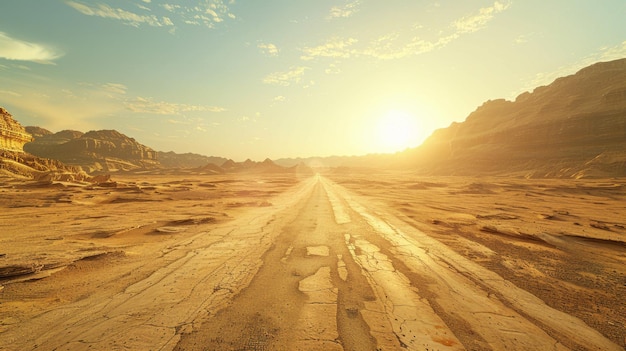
(111, 151)
(574, 127)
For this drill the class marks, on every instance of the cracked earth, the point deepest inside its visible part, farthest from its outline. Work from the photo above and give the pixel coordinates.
(320, 268)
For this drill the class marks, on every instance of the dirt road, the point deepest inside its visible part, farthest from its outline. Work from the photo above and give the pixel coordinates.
(321, 269)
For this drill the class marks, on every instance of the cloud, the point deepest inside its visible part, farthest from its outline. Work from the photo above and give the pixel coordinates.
(268, 49)
(344, 11)
(611, 53)
(10, 93)
(115, 88)
(63, 107)
(336, 47)
(84, 106)
(171, 7)
(206, 13)
(19, 50)
(199, 13)
(130, 18)
(397, 45)
(293, 75)
(476, 22)
(332, 69)
(521, 39)
(149, 106)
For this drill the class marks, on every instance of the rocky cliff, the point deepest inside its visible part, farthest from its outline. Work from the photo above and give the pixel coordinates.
(15, 163)
(103, 150)
(12, 135)
(574, 127)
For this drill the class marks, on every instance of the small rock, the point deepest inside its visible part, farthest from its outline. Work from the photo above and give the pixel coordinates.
(352, 312)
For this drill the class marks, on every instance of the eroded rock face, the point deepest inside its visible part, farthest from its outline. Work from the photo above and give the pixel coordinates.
(103, 150)
(187, 160)
(12, 135)
(574, 127)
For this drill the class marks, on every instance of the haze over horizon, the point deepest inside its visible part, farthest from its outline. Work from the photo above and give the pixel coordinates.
(282, 79)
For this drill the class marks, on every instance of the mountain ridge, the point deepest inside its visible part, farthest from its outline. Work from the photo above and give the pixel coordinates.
(573, 127)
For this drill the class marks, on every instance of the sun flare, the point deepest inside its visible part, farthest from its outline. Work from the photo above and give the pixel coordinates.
(396, 131)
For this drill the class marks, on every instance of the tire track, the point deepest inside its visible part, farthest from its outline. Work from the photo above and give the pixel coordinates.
(189, 281)
(504, 315)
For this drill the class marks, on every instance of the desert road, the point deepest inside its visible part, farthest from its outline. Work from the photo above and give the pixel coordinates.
(320, 269)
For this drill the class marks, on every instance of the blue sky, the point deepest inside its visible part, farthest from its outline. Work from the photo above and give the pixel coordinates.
(278, 78)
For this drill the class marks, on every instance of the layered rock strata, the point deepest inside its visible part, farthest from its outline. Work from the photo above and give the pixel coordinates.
(12, 135)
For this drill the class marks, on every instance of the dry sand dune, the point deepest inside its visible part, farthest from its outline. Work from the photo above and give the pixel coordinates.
(343, 262)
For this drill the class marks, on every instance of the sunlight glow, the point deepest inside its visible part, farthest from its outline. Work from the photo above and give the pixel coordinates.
(396, 131)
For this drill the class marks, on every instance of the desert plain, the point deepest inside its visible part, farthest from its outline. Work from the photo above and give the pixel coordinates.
(350, 260)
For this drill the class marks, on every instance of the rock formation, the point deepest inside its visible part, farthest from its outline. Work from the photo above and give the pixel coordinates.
(103, 150)
(187, 160)
(574, 127)
(12, 135)
(16, 163)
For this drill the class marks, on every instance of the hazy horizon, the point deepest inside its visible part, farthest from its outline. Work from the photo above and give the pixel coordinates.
(286, 80)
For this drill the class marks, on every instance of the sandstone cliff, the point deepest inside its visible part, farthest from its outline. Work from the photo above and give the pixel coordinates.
(574, 127)
(12, 135)
(103, 150)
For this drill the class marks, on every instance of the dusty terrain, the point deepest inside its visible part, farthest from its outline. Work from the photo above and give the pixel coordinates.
(385, 261)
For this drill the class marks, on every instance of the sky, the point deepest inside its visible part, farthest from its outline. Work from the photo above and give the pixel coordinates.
(287, 78)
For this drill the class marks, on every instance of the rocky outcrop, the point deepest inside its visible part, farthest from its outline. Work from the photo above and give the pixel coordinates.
(574, 127)
(27, 166)
(249, 166)
(187, 160)
(103, 150)
(12, 135)
(15, 163)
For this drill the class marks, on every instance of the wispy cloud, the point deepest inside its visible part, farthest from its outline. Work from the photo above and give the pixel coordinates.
(115, 88)
(332, 69)
(286, 78)
(198, 13)
(19, 50)
(206, 13)
(277, 100)
(478, 21)
(64, 106)
(396, 45)
(149, 106)
(128, 17)
(81, 106)
(344, 11)
(335, 47)
(10, 93)
(268, 49)
(523, 38)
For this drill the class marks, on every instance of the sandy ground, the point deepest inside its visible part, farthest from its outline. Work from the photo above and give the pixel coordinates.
(383, 261)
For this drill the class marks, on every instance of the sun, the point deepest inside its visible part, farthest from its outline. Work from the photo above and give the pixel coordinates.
(396, 131)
